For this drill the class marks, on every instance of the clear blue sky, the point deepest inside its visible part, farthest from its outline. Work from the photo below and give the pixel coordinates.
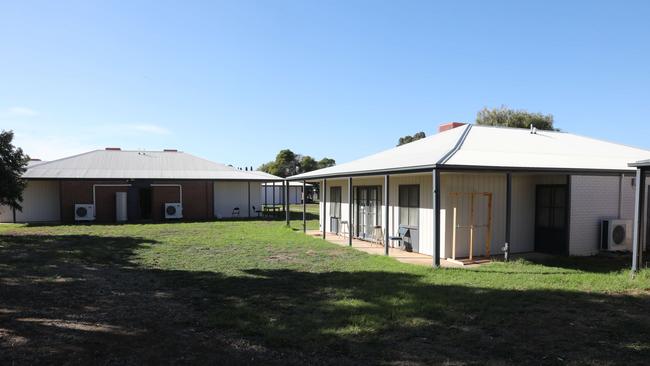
(237, 81)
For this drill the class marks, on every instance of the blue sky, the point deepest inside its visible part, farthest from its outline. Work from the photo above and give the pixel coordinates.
(237, 81)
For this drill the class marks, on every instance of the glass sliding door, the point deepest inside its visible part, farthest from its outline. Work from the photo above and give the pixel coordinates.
(368, 210)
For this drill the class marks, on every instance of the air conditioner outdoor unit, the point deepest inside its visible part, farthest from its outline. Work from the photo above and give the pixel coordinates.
(173, 211)
(616, 235)
(84, 212)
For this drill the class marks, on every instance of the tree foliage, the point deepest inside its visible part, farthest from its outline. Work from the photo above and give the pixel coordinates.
(287, 163)
(506, 117)
(307, 164)
(324, 163)
(408, 139)
(13, 164)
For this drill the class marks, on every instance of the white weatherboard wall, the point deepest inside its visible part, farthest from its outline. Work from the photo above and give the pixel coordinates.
(493, 183)
(343, 183)
(593, 199)
(228, 195)
(524, 190)
(40, 204)
(523, 211)
(425, 224)
(267, 193)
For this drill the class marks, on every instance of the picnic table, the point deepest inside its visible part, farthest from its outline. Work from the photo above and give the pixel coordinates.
(271, 209)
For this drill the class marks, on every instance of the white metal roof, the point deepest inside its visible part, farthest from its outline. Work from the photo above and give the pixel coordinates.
(640, 163)
(118, 164)
(420, 153)
(494, 147)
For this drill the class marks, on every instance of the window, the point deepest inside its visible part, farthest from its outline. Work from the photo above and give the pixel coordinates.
(335, 202)
(409, 205)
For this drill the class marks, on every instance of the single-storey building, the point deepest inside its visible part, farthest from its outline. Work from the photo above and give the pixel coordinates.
(113, 185)
(473, 191)
(273, 193)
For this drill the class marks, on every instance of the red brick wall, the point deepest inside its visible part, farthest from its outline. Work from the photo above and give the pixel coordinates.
(450, 126)
(197, 199)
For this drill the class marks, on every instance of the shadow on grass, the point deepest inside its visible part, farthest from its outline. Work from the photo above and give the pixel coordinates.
(82, 299)
(603, 263)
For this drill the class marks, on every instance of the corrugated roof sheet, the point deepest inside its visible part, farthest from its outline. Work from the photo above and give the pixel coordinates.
(420, 153)
(112, 164)
(494, 147)
(640, 163)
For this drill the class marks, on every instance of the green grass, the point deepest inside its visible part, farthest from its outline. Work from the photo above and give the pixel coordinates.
(303, 300)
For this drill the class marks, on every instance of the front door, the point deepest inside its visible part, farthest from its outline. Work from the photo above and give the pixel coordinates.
(368, 211)
(551, 219)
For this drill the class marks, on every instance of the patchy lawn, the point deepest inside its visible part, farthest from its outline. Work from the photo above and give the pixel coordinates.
(249, 292)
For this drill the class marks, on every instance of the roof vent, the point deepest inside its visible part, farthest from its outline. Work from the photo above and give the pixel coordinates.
(450, 126)
(533, 129)
(113, 149)
(170, 150)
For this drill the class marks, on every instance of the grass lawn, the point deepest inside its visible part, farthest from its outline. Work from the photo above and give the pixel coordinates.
(256, 292)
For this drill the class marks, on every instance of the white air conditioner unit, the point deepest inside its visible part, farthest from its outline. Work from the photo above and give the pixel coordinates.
(84, 212)
(173, 211)
(616, 235)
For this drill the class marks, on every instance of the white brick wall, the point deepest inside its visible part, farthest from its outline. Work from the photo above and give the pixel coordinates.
(594, 198)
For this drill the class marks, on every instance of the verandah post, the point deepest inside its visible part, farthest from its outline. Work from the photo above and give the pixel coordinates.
(506, 254)
(304, 207)
(350, 211)
(386, 211)
(324, 201)
(436, 217)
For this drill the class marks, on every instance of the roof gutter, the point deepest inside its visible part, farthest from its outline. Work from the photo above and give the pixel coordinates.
(468, 168)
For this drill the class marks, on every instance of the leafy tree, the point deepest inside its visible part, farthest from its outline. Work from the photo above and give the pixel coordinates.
(326, 163)
(287, 163)
(307, 164)
(408, 139)
(506, 117)
(13, 164)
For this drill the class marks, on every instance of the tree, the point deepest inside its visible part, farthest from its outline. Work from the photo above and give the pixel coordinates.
(507, 117)
(326, 163)
(307, 164)
(13, 164)
(287, 163)
(408, 139)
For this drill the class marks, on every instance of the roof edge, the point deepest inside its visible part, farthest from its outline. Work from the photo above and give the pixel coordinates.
(461, 140)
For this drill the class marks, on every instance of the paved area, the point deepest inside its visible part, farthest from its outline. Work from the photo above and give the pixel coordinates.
(377, 249)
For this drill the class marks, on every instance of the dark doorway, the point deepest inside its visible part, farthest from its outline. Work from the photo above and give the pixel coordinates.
(409, 215)
(551, 217)
(145, 203)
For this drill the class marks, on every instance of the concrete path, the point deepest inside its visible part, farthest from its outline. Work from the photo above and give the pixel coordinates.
(378, 249)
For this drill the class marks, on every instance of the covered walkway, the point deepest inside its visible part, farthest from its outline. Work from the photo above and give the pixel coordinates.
(378, 249)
